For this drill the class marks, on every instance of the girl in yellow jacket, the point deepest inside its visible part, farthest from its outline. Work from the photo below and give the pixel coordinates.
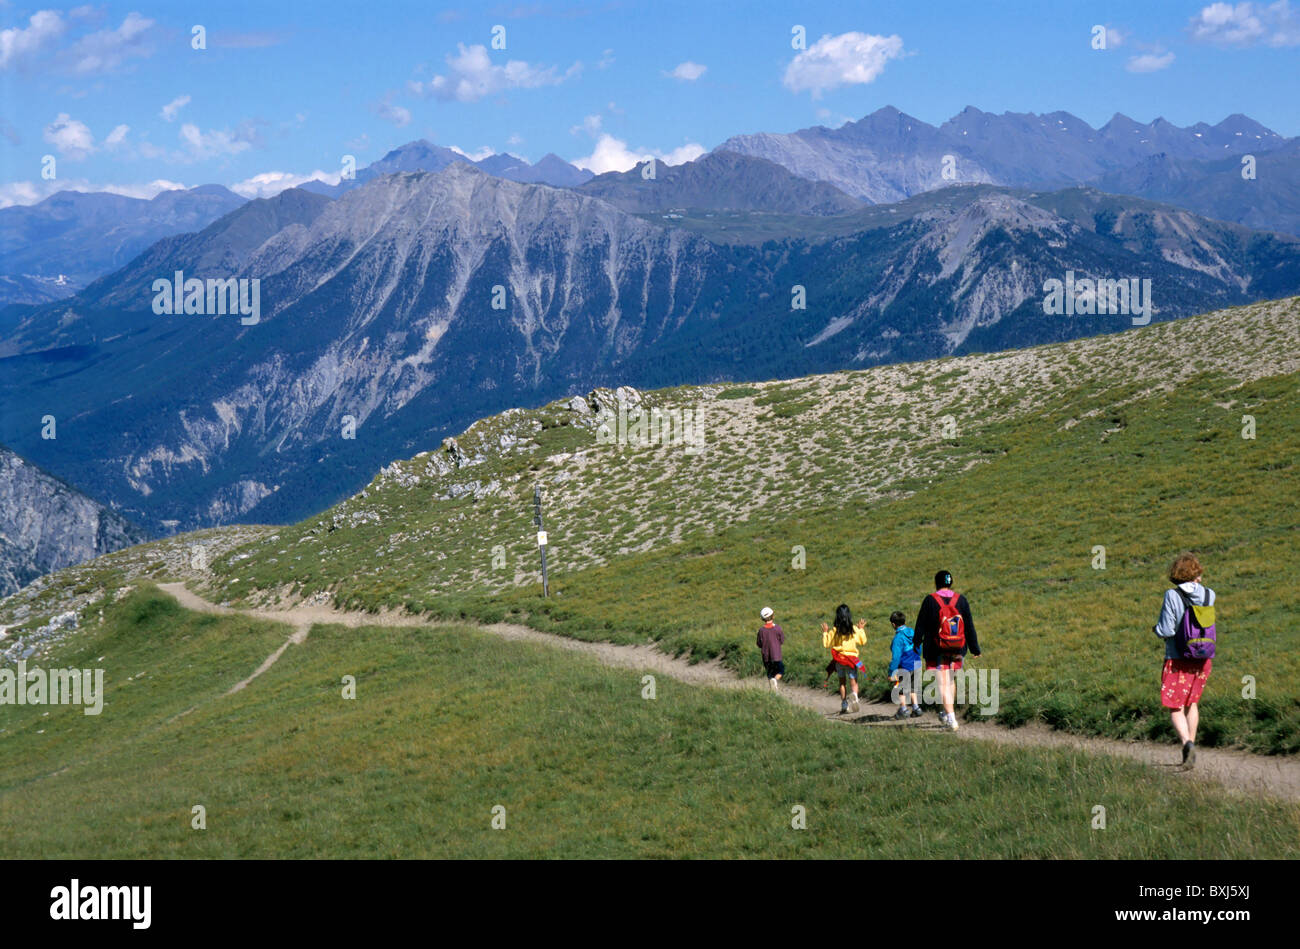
(843, 641)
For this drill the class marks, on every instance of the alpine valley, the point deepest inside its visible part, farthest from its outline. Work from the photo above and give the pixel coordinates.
(399, 308)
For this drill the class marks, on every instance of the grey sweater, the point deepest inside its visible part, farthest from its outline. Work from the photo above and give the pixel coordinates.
(1172, 610)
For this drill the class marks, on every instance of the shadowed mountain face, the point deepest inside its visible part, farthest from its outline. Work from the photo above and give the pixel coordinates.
(418, 302)
(52, 249)
(1266, 196)
(721, 180)
(46, 525)
(889, 155)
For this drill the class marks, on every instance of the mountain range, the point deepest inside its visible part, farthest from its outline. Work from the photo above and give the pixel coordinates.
(417, 302)
(889, 155)
(423, 155)
(719, 180)
(52, 249)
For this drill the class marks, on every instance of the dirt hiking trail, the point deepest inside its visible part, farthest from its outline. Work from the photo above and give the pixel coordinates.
(1237, 771)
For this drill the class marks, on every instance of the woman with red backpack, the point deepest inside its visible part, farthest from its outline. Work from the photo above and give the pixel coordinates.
(945, 631)
(1186, 625)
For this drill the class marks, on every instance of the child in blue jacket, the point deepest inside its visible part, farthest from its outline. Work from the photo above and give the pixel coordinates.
(904, 666)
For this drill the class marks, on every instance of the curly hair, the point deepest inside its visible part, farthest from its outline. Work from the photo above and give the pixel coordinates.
(1184, 568)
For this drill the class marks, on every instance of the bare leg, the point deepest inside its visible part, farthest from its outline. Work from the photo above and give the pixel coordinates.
(1179, 717)
(1193, 718)
(947, 690)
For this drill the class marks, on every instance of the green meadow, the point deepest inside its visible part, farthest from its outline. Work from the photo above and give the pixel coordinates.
(1071, 639)
(450, 728)
(1057, 484)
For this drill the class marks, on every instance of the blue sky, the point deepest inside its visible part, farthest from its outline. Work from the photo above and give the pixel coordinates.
(121, 99)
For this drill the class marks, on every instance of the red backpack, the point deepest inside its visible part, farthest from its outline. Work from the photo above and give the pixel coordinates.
(952, 628)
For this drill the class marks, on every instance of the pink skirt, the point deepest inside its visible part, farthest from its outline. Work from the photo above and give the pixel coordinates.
(1182, 680)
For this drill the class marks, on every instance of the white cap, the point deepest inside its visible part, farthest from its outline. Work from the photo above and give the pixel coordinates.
(765, 612)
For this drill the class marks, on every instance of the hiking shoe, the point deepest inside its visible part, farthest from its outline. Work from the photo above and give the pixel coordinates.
(902, 713)
(1189, 755)
(773, 684)
(856, 706)
(952, 723)
(844, 707)
(916, 711)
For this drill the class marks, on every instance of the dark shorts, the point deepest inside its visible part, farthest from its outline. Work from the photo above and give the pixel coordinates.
(774, 668)
(946, 661)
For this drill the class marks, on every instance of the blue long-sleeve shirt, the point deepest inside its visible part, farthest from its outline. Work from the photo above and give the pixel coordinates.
(1172, 610)
(901, 653)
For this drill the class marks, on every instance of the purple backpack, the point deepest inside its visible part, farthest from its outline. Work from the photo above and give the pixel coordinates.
(1196, 634)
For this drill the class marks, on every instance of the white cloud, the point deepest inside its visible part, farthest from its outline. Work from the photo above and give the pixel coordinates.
(606, 59)
(1245, 24)
(170, 110)
(70, 137)
(270, 183)
(1115, 36)
(687, 71)
(847, 59)
(590, 124)
(22, 192)
(149, 190)
(215, 143)
(484, 152)
(473, 76)
(116, 137)
(106, 50)
(398, 115)
(31, 192)
(18, 45)
(826, 115)
(515, 139)
(612, 154)
(1149, 62)
(681, 155)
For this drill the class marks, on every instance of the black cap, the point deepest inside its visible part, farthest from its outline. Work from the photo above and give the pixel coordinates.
(942, 579)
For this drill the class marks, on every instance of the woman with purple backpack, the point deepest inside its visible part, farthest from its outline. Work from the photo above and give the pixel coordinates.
(1187, 626)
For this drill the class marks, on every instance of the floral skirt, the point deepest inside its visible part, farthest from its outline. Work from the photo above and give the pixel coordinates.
(1182, 680)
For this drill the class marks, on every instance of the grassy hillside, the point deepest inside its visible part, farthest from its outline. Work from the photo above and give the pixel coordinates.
(438, 736)
(1007, 469)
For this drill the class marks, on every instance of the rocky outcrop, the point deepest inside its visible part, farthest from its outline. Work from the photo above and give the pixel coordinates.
(46, 525)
